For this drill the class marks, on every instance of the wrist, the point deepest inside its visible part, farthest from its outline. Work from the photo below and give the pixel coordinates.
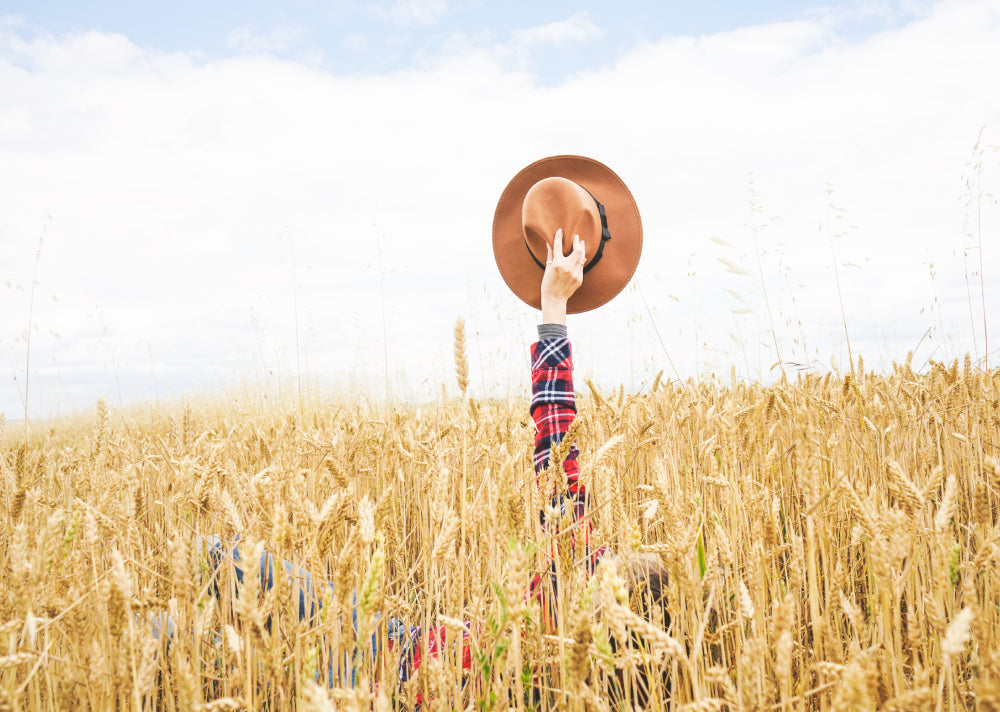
(553, 310)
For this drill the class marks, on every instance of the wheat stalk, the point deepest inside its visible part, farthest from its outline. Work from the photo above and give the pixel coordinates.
(461, 362)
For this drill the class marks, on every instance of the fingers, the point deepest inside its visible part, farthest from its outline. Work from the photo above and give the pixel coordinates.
(563, 273)
(578, 253)
(574, 261)
(557, 244)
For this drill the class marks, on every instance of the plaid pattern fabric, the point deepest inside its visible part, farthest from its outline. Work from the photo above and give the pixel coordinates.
(553, 406)
(414, 648)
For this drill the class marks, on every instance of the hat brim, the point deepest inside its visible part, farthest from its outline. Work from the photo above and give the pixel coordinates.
(621, 254)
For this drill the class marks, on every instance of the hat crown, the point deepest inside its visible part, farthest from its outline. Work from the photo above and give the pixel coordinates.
(558, 203)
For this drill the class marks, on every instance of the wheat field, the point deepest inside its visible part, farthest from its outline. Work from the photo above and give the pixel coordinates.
(831, 543)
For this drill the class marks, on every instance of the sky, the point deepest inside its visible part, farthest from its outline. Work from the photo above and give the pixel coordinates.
(274, 201)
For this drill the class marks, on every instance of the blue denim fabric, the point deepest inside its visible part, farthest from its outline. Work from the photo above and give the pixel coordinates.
(310, 600)
(310, 594)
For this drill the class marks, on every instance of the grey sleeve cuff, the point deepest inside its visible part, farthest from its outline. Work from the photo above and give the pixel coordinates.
(552, 331)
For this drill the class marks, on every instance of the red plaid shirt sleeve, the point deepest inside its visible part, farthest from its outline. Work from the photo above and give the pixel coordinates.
(553, 405)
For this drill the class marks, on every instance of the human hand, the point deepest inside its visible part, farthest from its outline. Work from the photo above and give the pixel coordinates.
(563, 276)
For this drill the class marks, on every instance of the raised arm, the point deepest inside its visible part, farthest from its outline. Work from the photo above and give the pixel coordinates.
(553, 407)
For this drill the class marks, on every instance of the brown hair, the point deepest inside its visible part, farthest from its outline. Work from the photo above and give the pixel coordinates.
(647, 582)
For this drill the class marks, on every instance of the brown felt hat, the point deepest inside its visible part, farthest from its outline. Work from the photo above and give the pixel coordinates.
(583, 197)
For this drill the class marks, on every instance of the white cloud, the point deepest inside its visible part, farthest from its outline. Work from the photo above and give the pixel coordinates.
(195, 212)
(578, 28)
(276, 39)
(105, 52)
